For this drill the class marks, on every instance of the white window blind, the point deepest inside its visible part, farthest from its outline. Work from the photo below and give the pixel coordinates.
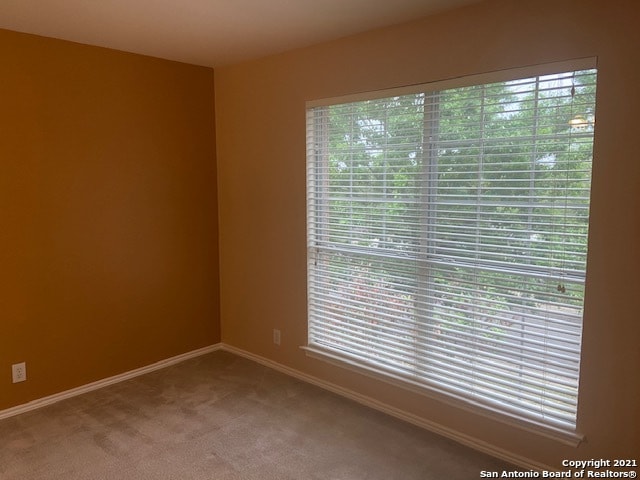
(447, 239)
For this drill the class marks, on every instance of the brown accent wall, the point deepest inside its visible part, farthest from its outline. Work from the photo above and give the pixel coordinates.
(260, 112)
(108, 213)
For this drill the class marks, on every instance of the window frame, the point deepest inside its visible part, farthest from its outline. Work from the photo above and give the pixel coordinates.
(570, 437)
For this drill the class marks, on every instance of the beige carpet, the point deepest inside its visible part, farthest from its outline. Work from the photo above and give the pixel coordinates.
(224, 417)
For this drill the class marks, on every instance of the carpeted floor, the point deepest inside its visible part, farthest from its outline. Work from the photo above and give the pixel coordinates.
(223, 417)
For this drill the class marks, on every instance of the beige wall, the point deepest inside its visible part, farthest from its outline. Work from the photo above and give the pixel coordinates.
(260, 113)
(108, 232)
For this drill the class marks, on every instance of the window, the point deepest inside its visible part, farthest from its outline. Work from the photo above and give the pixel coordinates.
(447, 237)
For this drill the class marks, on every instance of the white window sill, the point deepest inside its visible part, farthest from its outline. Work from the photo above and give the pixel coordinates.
(570, 438)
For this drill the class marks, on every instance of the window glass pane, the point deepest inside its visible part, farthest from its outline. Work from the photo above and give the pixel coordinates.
(448, 237)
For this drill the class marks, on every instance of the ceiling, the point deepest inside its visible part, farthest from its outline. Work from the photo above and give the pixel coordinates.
(209, 32)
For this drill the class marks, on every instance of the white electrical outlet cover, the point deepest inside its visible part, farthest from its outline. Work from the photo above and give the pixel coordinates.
(19, 372)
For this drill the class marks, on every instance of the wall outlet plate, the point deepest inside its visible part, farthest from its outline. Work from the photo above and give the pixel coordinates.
(19, 372)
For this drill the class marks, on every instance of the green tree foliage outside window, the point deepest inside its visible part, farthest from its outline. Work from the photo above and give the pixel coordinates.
(448, 238)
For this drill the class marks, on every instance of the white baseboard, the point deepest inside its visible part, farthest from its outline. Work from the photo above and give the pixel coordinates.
(74, 392)
(467, 440)
(471, 442)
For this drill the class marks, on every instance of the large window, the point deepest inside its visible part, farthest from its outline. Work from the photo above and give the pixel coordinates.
(447, 237)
